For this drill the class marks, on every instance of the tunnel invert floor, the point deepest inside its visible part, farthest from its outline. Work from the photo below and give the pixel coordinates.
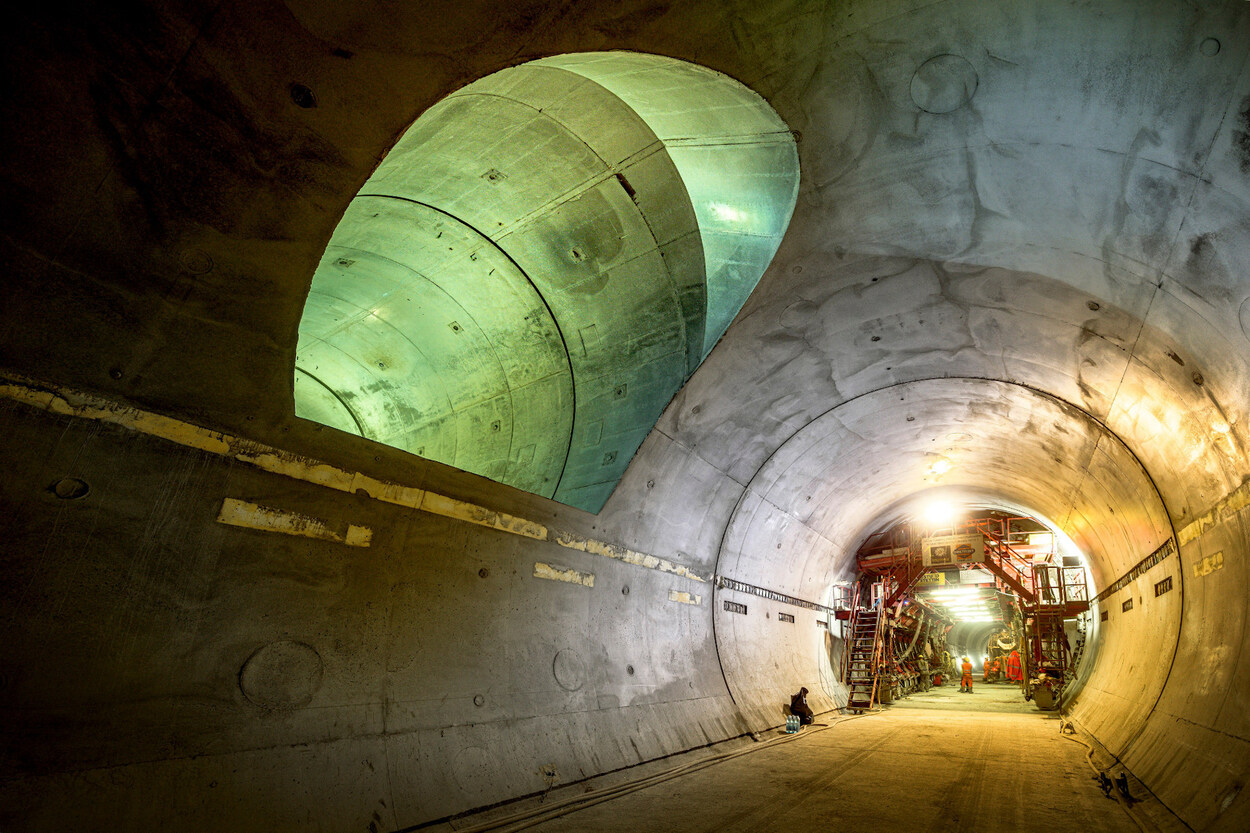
(935, 762)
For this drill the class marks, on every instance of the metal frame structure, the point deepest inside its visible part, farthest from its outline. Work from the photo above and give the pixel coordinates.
(1046, 595)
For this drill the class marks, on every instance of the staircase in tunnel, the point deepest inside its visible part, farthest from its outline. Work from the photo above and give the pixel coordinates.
(863, 658)
(1005, 563)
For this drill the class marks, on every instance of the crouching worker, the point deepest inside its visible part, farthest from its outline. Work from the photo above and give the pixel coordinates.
(799, 707)
(965, 681)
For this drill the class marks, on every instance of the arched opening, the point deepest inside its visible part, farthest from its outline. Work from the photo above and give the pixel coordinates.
(972, 588)
(870, 464)
(540, 262)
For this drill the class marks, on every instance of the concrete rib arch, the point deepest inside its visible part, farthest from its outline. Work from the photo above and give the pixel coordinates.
(863, 465)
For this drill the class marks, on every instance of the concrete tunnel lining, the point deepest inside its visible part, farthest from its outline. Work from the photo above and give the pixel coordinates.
(856, 469)
(540, 262)
(1074, 227)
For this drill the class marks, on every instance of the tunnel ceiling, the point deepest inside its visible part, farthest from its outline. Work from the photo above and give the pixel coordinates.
(1054, 198)
(540, 262)
(871, 462)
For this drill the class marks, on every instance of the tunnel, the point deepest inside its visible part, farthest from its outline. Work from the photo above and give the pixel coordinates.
(286, 550)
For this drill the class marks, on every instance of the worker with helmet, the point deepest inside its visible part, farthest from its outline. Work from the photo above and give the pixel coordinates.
(965, 681)
(1014, 672)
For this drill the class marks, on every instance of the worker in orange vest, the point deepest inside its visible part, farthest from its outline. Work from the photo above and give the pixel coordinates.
(965, 682)
(1014, 672)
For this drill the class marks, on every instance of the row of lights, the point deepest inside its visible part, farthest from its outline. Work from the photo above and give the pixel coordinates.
(965, 604)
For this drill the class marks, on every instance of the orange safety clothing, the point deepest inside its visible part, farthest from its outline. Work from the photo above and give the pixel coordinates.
(1014, 672)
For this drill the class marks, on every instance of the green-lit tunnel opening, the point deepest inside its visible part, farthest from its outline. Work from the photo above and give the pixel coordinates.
(539, 264)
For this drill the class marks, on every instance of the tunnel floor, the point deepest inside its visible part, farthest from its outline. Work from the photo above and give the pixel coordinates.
(939, 761)
(999, 697)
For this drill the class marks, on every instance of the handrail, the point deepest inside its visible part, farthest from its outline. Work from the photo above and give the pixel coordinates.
(1017, 561)
(878, 651)
(849, 644)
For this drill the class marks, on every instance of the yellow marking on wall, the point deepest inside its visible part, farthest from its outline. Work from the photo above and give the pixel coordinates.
(1233, 502)
(187, 435)
(448, 507)
(63, 402)
(641, 559)
(684, 597)
(254, 516)
(1208, 565)
(550, 573)
(323, 474)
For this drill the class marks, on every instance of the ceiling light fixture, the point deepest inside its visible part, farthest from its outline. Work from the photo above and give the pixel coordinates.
(940, 513)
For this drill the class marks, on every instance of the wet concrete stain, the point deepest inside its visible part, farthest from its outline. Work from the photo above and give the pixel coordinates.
(1201, 252)
(1241, 137)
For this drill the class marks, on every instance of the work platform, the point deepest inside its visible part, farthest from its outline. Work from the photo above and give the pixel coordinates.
(935, 762)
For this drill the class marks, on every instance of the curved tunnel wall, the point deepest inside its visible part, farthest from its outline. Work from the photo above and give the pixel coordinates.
(540, 262)
(1024, 206)
(803, 515)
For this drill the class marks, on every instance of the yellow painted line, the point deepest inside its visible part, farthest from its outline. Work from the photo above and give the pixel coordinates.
(1209, 565)
(240, 513)
(56, 400)
(684, 597)
(323, 474)
(1233, 502)
(187, 435)
(640, 559)
(550, 573)
(448, 507)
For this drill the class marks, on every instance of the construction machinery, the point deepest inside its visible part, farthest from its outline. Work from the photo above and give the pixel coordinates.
(996, 568)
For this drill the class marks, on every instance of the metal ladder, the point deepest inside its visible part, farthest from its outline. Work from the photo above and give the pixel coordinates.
(863, 656)
(1079, 649)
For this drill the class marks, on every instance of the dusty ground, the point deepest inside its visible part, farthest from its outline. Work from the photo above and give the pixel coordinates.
(939, 761)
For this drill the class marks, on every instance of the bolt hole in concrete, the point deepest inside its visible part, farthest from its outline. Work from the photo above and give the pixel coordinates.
(483, 573)
(1209, 47)
(943, 83)
(302, 96)
(479, 700)
(70, 488)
